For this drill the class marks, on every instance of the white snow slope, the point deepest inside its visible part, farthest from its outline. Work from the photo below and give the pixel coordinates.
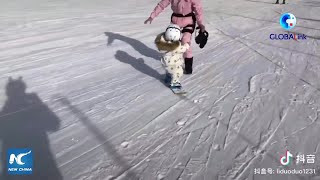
(95, 107)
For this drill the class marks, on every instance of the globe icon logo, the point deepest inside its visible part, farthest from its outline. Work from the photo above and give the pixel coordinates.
(288, 21)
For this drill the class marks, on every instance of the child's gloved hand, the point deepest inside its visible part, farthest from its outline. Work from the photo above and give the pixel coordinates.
(187, 45)
(149, 20)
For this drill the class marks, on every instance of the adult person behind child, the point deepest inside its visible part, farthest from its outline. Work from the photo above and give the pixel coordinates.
(186, 13)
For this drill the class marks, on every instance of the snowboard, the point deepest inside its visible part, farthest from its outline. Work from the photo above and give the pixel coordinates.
(180, 91)
(175, 90)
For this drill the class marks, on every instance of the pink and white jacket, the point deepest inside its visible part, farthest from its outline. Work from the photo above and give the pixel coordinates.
(181, 7)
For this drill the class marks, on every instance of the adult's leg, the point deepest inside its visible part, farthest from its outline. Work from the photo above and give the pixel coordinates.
(188, 57)
(186, 38)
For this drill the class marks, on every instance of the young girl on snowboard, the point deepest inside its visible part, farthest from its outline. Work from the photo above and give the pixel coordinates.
(172, 60)
(186, 13)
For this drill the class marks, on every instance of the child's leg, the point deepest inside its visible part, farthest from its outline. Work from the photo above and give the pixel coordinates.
(167, 78)
(176, 72)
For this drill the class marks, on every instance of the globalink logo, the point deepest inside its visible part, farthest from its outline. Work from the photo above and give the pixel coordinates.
(19, 161)
(288, 21)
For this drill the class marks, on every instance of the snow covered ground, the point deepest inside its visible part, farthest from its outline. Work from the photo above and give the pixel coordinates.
(95, 107)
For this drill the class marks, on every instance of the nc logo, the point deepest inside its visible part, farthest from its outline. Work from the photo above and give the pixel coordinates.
(18, 158)
(286, 159)
(19, 161)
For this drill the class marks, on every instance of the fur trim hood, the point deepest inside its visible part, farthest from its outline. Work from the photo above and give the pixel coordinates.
(164, 45)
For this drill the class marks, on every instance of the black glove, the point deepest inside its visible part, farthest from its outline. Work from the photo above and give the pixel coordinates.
(202, 38)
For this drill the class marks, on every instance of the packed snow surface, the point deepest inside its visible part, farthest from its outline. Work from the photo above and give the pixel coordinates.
(91, 103)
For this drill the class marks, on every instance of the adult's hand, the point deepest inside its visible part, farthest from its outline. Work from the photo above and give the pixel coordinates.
(149, 20)
(202, 28)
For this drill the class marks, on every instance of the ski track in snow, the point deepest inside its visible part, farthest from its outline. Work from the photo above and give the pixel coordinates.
(94, 65)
